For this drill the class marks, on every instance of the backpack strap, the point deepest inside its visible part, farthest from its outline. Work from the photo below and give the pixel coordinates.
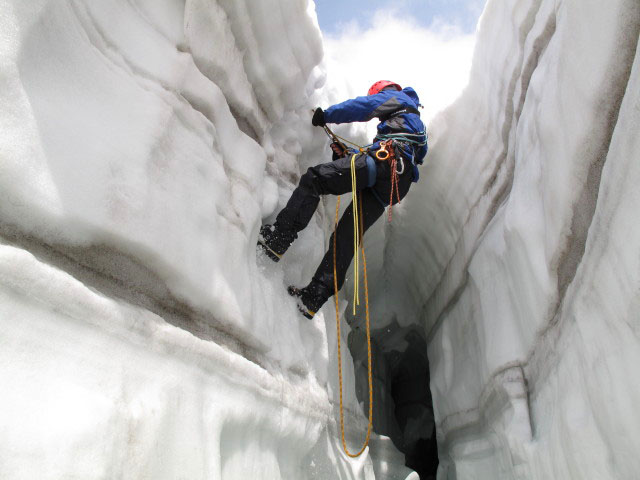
(402, 111)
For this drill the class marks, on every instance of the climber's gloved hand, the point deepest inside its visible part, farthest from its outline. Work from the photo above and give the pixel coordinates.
(318, 118)
(338, 150)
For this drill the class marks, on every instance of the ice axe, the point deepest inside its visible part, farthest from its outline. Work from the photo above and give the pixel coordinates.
(334, 138)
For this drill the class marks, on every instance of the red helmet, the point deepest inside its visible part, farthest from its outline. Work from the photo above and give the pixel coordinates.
(380, 85)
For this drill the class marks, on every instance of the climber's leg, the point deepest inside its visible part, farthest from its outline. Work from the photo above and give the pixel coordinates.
(327, 178)
(321, 287)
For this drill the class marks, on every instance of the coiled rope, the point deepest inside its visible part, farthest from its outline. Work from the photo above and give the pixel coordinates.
(358, 232)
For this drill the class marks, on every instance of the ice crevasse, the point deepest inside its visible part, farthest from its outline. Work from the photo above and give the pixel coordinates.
(142, 144)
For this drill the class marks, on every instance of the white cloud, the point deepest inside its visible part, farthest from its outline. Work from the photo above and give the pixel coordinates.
(435, 61)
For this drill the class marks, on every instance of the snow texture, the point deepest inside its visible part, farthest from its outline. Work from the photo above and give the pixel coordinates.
(142, 145)
(519, 251)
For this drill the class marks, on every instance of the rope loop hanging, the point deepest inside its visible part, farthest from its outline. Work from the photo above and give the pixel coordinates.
(358, 232)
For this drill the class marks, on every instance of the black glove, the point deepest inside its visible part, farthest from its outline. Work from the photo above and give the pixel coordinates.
(318, 118)
(338, 151)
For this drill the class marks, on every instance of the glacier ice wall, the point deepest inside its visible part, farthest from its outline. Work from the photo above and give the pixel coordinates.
(142, 144)
(518, 253)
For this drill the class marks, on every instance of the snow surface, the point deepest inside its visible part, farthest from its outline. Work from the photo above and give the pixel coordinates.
(518, 252)
(142, 144)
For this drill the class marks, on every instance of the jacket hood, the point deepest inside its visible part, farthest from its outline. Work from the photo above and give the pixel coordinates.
(411, 93)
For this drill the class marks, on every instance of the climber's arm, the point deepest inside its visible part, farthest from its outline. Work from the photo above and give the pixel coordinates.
(359, 109)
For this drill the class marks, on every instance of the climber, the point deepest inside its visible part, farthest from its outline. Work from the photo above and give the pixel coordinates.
(397, 110)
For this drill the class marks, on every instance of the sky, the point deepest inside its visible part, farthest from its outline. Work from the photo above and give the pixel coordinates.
(425, 44)
(334, 14)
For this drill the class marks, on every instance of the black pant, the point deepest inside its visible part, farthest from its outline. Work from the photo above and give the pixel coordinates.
(335, 178)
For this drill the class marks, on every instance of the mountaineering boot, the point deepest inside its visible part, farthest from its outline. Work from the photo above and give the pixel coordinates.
(310, 298)
(297, 292)
(273, 242)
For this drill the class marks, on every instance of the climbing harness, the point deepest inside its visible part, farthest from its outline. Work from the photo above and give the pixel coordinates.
(386, 152)
(358, 232)
(415, 139)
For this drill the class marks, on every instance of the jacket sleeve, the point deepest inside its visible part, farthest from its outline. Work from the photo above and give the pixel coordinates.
(359, 109)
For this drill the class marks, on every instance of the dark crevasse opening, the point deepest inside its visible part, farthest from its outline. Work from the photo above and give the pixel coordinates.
(402, 404)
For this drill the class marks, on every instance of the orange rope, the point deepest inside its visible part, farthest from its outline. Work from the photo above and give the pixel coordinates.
(393, 162)
(366, 294)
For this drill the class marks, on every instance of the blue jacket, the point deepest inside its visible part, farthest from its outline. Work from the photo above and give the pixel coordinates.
(398, 113)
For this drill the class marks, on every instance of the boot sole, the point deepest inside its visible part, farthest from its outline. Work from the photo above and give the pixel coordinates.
(270, 253)
(295, 292)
